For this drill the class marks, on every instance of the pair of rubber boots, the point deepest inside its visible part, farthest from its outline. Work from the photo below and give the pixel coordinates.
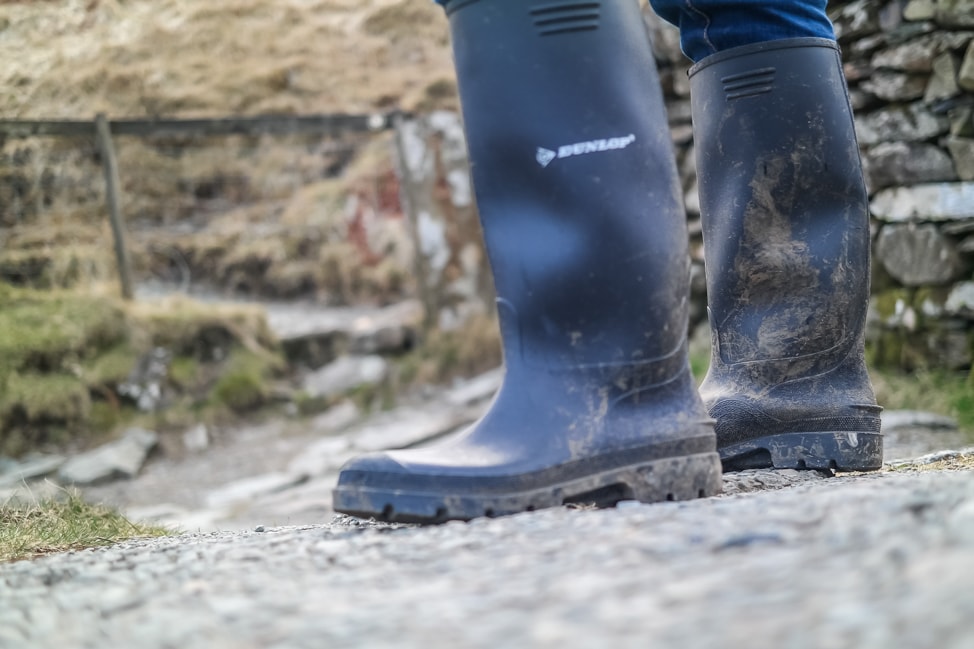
(582, 213)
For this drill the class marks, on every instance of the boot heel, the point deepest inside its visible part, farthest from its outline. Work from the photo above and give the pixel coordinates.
(678, 478)
(836, 451)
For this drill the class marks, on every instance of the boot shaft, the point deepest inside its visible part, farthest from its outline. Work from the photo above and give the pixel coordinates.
(577, 189)
(786, 226)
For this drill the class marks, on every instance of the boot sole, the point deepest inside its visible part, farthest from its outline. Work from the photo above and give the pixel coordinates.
(668, 479)
(838, 451)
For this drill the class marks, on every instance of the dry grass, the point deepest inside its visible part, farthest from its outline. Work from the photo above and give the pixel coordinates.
(63, 524)
(73, 58)
(959, 462)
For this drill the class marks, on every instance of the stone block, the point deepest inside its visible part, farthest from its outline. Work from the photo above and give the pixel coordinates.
(346, 373)
(960, 301)
(962, 151)
(122, 458)
(896, 86)
(920, 10)
(910, 123)
(918, 255)
(901, 163)
(931, 202)
(943, 81)
(955, 13)
(856, 19)
(917, 54)
(965, 76)
(961, 121)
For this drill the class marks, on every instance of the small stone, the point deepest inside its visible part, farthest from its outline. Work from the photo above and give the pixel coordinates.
(930, 202)
(955, 13)
(961, 121)
(196, 439)
(918, 255)
(344, 374)
(943, 81)
(920, 10)
(960, 300)
(965, 77)
(962, 151)
(259, 528)
(856, 19)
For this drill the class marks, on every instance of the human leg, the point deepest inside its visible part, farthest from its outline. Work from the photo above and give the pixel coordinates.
(711, 26)
(580, 205)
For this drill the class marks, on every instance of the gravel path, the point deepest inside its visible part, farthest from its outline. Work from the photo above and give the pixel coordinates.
(883, 560)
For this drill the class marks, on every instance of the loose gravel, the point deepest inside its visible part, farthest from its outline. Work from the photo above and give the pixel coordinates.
(882, 560)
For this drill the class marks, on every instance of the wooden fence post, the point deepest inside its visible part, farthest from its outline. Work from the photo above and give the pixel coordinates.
(104, 137)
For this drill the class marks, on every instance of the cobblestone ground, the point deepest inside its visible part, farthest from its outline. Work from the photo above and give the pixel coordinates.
(883, 560)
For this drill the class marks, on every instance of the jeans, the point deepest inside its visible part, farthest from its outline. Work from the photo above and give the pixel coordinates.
(710, 26)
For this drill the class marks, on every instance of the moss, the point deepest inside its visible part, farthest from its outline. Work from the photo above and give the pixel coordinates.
(47, 332)
(886, 301)
(243, 385)
(38, 409)
(204, 331)
(184, 372)
(104, 417)
(112, 366)
(41, 398)
(936, 390)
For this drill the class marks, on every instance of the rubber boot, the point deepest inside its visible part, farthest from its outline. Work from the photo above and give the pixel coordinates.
(580, 205)
(786, 242)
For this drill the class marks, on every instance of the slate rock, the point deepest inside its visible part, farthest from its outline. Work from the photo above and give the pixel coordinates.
(960, 301)
(961, 121)
(943, 81)
(920, 10)
(965, 76)
(929, 202)
(962, 151)
(910, 123)
(856, 19)
(896, 86)
(955, 13)
(122, 458)
(899, 163)
(918, 255)
(31, 468)
(344, 374)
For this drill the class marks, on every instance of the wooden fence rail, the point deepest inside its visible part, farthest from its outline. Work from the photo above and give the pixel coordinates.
(102, 129)
(327, 125)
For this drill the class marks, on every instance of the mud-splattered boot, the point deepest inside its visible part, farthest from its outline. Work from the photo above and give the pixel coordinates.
(580, 205)
(786, 239)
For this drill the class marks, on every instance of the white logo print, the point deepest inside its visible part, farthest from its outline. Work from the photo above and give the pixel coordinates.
(545, 156)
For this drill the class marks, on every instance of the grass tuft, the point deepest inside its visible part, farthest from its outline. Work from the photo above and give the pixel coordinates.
(68, 523)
